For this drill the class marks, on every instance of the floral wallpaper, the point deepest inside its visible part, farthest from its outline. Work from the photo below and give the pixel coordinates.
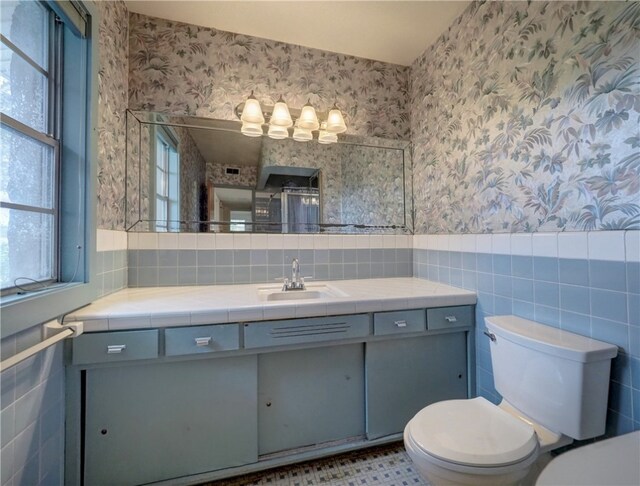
(217, 175)
(525, 116)
(192, 175)
(372, 185)
(184, 69)
(112, 105)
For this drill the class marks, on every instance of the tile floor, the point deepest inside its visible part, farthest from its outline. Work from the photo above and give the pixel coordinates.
(385, 465)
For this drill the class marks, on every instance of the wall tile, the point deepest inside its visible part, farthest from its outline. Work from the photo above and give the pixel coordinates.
(606, 245)
(608, 275)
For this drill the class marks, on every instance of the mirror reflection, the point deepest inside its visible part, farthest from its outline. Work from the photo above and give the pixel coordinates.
(203, 175)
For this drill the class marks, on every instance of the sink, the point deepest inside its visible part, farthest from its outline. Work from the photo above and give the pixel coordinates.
(275, 294)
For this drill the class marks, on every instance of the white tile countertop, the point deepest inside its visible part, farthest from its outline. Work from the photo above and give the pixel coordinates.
(152, 307)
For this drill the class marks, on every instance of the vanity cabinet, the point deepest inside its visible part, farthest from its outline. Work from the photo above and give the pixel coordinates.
(152, 422)
(212, 401)
(406, 375)
(310, 396)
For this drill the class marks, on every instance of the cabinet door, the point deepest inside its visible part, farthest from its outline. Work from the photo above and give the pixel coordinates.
(310, 396)
(406, 375)
(152, 422)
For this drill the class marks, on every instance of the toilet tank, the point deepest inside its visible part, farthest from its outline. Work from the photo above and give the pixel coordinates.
(557, 378)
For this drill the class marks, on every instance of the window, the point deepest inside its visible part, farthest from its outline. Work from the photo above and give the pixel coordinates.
(47, 111)
(29, 130)
(167, 182)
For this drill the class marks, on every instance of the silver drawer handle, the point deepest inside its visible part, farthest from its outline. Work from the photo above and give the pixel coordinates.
(203, 341)
(400, 323)
(116, 348)
(451, 319)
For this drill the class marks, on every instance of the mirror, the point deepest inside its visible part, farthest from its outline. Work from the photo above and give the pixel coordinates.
(202, 175)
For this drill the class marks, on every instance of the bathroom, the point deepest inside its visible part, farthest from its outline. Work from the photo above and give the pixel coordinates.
(523, 125)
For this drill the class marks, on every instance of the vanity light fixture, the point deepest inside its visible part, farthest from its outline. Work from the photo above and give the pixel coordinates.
(280, 119)
(335, 121)
(281, 116)
(308, 118)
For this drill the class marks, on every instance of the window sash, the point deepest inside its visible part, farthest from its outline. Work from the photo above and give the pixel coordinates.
(50, 138)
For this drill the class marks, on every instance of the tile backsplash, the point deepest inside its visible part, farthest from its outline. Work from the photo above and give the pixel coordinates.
(165, 259)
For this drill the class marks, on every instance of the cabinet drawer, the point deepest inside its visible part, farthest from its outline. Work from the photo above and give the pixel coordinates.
(399, 322)
(298, 331)
(106, 347)
(445, 317)
(201, 339)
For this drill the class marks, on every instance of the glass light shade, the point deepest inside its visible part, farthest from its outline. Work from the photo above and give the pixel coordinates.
(251, 129)
(281, 116)
(327, 137)
(302, 134)
(335, 121)
(308, 118)
(252, 111)
(277, 132)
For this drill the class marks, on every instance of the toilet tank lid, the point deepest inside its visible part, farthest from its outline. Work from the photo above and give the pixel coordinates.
(550, 340)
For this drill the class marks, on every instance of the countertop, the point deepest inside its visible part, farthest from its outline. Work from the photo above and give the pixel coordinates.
(153, 307)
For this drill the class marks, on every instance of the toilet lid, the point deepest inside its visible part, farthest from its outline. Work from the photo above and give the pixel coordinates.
(472, 432)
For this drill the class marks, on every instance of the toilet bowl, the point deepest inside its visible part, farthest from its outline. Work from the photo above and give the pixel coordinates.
(554, 386)
(613, 462)
(470, 442)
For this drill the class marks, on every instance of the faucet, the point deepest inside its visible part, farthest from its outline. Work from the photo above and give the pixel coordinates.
(297, 282)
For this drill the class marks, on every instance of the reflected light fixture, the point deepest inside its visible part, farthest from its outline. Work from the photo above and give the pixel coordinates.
(277, 132)
(251, 129)
(301, 134)
(326, 137)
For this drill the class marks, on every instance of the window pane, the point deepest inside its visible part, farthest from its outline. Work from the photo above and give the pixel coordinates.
(26, 170)
(26, 25)
(23, 90)
(26, 246)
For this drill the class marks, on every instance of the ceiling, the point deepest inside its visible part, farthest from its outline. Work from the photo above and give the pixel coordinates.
(391, 31)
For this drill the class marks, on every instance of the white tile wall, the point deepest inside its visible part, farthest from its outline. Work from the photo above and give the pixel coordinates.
(111, 240)
(225, 241)
(594, 245)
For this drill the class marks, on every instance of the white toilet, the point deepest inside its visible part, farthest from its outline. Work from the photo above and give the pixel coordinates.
(554, 386)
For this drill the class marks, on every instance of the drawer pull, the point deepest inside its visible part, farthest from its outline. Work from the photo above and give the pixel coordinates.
(116, 348)
(400, 323)
(451, 319)
(203, 341)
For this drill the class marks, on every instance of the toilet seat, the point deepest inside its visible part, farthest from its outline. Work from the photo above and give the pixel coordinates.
(472, 433)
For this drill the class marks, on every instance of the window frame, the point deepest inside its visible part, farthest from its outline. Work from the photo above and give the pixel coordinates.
(170, 200)
(78, 180)
(50, 136)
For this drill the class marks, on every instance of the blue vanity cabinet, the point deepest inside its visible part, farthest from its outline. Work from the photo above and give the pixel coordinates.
(157, 421)
(310, 396)
(405, 375)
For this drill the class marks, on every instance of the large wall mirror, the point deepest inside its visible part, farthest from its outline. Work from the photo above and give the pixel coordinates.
(194, 174)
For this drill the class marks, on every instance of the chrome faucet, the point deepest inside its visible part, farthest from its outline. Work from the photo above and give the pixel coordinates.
(297, 282)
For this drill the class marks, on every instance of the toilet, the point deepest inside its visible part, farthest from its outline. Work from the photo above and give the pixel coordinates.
(554, 386)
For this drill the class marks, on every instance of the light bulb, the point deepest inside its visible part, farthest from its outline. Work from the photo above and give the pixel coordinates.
(308, 118)
(281, 116)
(335, 121)
(252, 111)
(277, 132)
(251, 129)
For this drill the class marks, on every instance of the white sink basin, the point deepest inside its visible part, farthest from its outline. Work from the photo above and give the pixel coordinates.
(315, 291)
